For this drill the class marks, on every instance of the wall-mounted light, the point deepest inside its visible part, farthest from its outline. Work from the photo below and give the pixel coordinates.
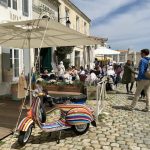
(67, 21)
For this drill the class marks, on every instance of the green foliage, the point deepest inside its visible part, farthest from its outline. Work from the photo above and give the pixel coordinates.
(1, 143)
(62, 54)
(63, 83)
(66, 63)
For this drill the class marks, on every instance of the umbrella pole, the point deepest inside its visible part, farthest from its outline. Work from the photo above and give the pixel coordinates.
(30, 71)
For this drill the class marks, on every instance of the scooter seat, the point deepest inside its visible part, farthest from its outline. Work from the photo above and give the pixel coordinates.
(67, 107)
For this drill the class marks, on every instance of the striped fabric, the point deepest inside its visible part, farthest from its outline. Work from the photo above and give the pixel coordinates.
(71, 114)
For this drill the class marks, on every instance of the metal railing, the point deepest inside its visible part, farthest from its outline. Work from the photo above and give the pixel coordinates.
(100, 96)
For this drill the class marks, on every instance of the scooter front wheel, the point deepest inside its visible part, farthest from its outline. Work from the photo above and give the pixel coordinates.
(24, 136)
(81, 129)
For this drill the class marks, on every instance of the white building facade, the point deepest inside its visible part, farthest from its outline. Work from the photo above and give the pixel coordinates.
(42, 9)
(12, 60)
(81, 55)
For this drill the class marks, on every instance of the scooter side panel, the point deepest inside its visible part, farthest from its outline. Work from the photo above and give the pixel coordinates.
(24, 124)
(78, 116)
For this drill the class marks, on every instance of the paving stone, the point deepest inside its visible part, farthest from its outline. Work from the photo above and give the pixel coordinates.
(87, 148)
(144, 149)
(134, 148)
(147, 141)
(114, 144)
(116, 148)
(102, 139)
(104, 143)
(106, 148)
(96, 146)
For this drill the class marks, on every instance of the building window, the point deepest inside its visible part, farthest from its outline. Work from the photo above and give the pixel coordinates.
(25, 7)
(85, 28)
(77, 59)
(15, 4)
(14, 61)
(4, 3)
(66, 15)
(9, 3)
(77, 24)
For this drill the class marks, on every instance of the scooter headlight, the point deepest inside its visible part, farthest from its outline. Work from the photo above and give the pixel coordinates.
(35, 94)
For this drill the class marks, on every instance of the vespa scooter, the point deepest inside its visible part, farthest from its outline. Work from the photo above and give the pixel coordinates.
(75, 116)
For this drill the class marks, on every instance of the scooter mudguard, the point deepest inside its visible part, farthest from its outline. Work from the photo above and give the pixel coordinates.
(94, 123)
(77, 116)
(25, 123)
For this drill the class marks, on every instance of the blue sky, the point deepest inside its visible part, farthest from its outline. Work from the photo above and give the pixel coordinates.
(126, 23)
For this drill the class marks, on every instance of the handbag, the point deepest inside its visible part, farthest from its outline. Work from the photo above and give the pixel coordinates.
(147, 73)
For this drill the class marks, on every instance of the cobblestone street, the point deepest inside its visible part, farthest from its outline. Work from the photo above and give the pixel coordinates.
(118, 129)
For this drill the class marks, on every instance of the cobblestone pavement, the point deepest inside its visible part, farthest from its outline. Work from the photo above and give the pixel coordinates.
(119, 129)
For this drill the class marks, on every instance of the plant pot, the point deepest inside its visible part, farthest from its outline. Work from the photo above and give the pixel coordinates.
(64, 88)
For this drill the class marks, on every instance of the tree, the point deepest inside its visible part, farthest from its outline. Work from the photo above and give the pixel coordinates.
(62, 53)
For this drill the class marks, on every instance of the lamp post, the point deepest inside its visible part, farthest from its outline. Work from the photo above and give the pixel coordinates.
(67, 21)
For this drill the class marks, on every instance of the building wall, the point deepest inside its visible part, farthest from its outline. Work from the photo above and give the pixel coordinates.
(128, 55)
(82, 25)
(45, 8)
(50, 9)
(8, 13)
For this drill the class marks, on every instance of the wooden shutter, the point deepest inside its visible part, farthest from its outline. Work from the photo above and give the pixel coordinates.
(15, 4)
(25, 7)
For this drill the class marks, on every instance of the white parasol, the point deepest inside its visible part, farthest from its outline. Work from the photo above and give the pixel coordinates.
(105, 51)
(41, 33)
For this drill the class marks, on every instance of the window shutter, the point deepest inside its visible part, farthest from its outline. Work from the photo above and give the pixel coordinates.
(25, 7)
(4, 3)
(15, 4)
(9, 3)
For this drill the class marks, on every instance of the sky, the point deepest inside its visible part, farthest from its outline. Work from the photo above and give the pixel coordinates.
(126, 23)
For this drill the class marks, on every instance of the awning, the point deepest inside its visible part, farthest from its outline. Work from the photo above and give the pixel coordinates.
(105, 51)
(101, 58)
(19, 34)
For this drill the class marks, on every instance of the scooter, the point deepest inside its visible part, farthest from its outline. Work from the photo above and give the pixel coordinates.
(74, 116)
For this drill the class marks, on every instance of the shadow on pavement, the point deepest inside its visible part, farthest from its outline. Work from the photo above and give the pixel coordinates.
(120, 107)
(125, 108)
(9, 112)
(44, 137)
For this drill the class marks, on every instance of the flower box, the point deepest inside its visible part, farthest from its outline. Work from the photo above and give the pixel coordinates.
(64, 88)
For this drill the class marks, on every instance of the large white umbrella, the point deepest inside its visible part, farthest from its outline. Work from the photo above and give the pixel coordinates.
(105, 51)
(20, 34)
(41, 33)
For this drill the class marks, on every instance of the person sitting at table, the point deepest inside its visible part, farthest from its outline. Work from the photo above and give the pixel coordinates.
(82, 74)
(39, 89)
(91, 78)
(74, 73)
(45, 75)
(67, 76)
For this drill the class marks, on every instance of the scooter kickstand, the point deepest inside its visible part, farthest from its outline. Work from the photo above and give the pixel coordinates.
(59, 136)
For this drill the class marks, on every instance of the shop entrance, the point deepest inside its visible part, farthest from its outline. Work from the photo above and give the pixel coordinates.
(45, 59)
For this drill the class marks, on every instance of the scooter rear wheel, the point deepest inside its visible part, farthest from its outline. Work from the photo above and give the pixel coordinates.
(81, 129)
(24, 136)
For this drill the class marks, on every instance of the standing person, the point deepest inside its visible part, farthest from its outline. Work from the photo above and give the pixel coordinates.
(128, 76)
(61, 70)
(118, 71)
(142, 81)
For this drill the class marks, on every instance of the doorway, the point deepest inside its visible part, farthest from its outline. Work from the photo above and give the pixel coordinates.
(45, 59)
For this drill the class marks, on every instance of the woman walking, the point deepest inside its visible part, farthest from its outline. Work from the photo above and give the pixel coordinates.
(128, 76)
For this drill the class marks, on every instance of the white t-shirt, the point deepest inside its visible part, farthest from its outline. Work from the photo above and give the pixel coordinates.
(61, 70)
